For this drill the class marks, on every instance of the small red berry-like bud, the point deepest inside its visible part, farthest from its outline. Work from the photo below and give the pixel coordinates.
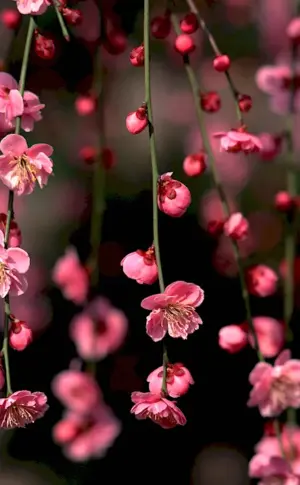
(184, 44)
(108, 159)
(85, 105)
(20, 335)
(245, 102)
(221, 63)
(215, 228)
(116, 42)
(161, 26)
(136, 121)
(44, 46)
(137, 56)
(284, 202)
(88, 154)
(194, 164)
(73, 16)
(10, 18)
(293, 30)
(189, 24)
(210, 102)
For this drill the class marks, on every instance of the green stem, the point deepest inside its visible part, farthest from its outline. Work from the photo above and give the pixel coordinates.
(61, 21)
(235, 93)
(10, 205)
(217, 182)
(155, 176)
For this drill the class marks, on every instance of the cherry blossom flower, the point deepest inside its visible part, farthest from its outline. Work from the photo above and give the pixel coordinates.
(77, 390)
(261, 280)
(173, 197)
(21, 408)
(71, 277)
(20, 335)
(178, 380)
(32, 111)
(236, 227)
(232, 338)
(235, 141)
(11, 103)
(275, 388)
(14, 263)
(174, 311)
(89, 436)
(272, 470)
(32, 7)
(99, 330)
(21, 167)
(141, 266)
(159, 409)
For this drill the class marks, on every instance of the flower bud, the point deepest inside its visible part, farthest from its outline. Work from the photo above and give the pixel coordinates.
(20, 335)
(184, 44)
(137, 56)
(210, 102)
(136, 121)
(161, 26)
(173, 197)
(236, 227)
(178, 380)
(221, 63)
(189, 24)
(195, 164)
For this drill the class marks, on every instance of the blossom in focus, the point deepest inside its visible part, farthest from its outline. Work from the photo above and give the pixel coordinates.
(261, 280)
(137, 121)
(71, 277)
(277, 387)
(21, 167)
(160, 410)
(173, 197)
(11, 103)
(173, 311)
(141, 266)
(22, 408)
(236, 227)
(32, 7)
(99, 330)
(178, 380)
(78, 391)
(20, 335)
(32, 111)
(85, 437)
(235, 141)
(14, 263)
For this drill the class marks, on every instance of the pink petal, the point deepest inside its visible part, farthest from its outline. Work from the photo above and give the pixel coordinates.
(8, 81)
(1, 239)
(156, 326)
(13, 144)
(21, 260)
(258, 372)
(238, 136)
(283, 357)
(186, 293)
(220, 134)
(16, 104)
(154, 302)
(19, 285)
(27, 123)
(34, 151)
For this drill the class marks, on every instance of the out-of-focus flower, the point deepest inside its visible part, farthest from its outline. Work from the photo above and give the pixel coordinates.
(235, 141)
(236, 226)
(71, 277)
(261, 280)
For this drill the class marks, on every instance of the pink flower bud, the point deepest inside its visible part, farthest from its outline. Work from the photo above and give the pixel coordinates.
(195, 164)
(20, 335)
(161, 26)
(221, 63)
(173, 196)
(232, 338)
(10, 18)
(141, 266)
(271, 146)
(293, 30)
(116, 42)
(73, 16)
(189, 24)
(245, 102)
(15, 235)
(137, 121)
(284, 202)
(44, 46)
(178, 380)
(85, 105)
(184, 44)
(236, 226)
(215, 228)
(88, 154)
(210, 102)
(137, 56)
(261, 280)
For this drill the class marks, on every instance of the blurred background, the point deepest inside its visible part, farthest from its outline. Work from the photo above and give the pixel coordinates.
(217, 442)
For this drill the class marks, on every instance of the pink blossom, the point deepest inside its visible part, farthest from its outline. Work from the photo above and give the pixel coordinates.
(11, 103)
(232, 338)
(15, 235)
(99, 330)
(137, 121)
(261, 280)
(236, 226)
(173, 311)
(87, 437)
(141, 266)
(33, 7)
(275, 388)
(20, 335)
(272, 470)
(270, 334)
(160, 410)
(71, 277)
(21, 167)
(271, 146)
(14, 263)
(236, 141)
(178, 380)
(32, 111)
(77, 390)
(85, 105)
(21, 408)
(173, 197)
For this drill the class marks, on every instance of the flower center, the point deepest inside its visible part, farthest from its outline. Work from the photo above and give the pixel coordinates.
(285, 391)
(3, 270)
(166, 188)
(24, 169)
